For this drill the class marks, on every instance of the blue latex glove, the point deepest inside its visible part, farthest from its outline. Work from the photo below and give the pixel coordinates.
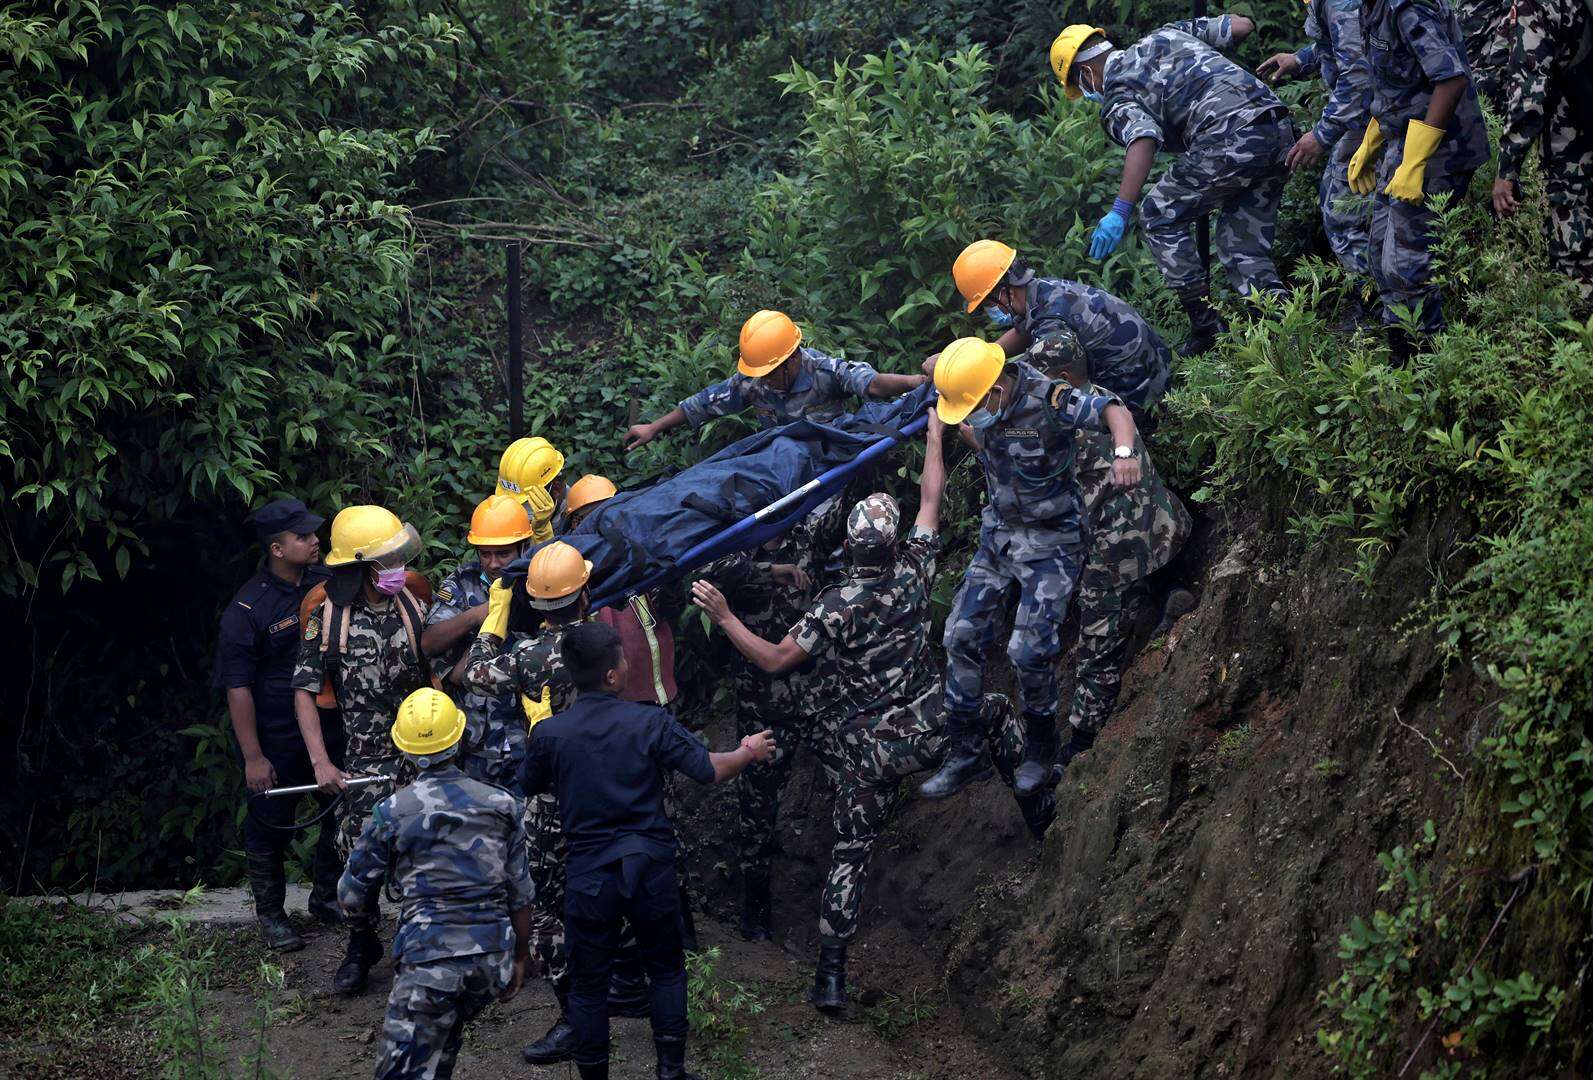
(1108, 234)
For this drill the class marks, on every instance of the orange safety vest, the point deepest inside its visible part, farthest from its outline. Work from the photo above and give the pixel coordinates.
(412, 601)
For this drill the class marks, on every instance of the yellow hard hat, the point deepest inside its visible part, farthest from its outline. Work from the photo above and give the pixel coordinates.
(528, 463)
(557, 572)
(588, 490)
(428, 723)
(964, 374)
(1065, 48)
(766, 340)
(980, 268)
(371, 534)
(498, 520)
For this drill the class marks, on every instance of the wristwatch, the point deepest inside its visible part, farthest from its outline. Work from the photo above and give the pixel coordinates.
(1123, 452)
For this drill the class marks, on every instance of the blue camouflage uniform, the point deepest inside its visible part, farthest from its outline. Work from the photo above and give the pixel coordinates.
(1410, 46)
(821, 392)
(1337, 53)
(456, 851)
(1121, 349)
(1232, 133)
(1031, 536)
(495, 726)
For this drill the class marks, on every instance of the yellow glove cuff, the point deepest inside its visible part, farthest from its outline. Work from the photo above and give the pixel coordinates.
(1421, 140)
(497, 620)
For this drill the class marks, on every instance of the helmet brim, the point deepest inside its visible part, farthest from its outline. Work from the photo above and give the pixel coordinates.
(475, 540)
(952, 412)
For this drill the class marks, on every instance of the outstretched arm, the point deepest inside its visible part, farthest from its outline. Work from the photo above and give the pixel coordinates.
(769, 657)
(932, 484)
(888, 385)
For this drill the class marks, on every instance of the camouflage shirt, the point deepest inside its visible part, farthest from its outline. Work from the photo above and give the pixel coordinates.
(1175, 87)
(1410, 46)
(371, 677)
(1133, 532)
(457, 853)
(1124, 353)
(1027, 456)
(1337, 53)
(821, 392)
(495, 730)
(1548, 36)
(532, 662)
(876, 623)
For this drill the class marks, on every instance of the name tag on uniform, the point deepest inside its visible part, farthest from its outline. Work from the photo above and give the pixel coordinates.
(1019, 433)
(286, 624)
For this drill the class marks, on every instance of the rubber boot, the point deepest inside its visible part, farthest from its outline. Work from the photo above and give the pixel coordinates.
(1179, 602)
(1039, 754)
(688, 925)
(755, 906)
(593, 1072)
(965, 762)
(269, 884)
(1039, 809)
(354, 973)
(1080, 741)
(324, 874)
(1401, 349)
(1204, 322)
(558, 1044)
(829, 979)
(628, 994)
(672, 1060)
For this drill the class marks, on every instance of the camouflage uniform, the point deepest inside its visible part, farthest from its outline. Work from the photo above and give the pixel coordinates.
(1232, 133)
(820, 393)
(1549, 101)
(371, 677)
(792, 705)
(1119, 346)
(1486, 25)
(1410, 46)
(495, 726)
(875, 626)
(1031, 537)
(456, 851)
(526, 667)
(1337, 53)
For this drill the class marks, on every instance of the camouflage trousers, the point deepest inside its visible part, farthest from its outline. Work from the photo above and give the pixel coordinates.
(1402, 234)
(789, 707)
(1106, 620)
(1568, 182)
(428, 1009)
(547, 849)
(1242, 179)
(1346, 216)
(1044, 579)
(871, 787)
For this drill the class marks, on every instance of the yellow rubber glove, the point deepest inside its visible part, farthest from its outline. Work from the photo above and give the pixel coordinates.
(497, 620)
(537, 709)
(539, 507)
(1420, 142)
(1363, 166)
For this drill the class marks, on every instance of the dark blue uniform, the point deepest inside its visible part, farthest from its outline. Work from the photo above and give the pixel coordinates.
(605, 760)
(256, 649)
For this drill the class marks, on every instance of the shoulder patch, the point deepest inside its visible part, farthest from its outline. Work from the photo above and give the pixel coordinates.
(312, 628)
(445, 595)
(1058, 393)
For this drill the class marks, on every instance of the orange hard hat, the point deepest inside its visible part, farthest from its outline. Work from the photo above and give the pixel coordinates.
(498, 520)
(980, 268)
(767, 339)
(588, 490)
(557, 572)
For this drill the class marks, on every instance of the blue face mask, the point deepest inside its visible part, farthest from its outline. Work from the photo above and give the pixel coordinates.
(980, 419)
(999, 317)
(1093, 95)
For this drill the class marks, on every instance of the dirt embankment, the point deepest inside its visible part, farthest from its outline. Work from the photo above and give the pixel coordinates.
(1184, 911)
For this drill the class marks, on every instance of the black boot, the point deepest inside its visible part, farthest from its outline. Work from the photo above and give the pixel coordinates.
(688, 925)
(965, 762)
(829, 980)
(1179, 602)
(593, 1072)
(755, 906)
(1401, 349)
(1204, 323)
(628, 994)
(559, 1042)
(1039, 754)
(270, 887)
(672, 1060)
(364, 949)
(1080, 741)
(324, 872)
(1039, 809)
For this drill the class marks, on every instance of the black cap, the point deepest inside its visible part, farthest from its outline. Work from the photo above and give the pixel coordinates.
(284, 515)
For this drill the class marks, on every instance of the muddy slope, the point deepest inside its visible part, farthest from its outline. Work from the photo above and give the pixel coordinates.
(1183, 912)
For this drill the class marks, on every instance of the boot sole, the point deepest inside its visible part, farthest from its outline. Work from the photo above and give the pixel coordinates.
(286, 946)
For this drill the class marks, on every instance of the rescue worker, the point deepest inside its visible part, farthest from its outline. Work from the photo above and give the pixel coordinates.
(495, 727)
(585, 496)
(873, 629)
(454, 849)
(771, 588)
(529, 472)
(255, 652)
(1425, 109)
(1032, 539)
(1488, 27)
(1120, 345)
(550, 602)
(780, 380)
(360, 650)
(1173, 91)
(603, 760)
(1336, 53)
(1551, 76)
